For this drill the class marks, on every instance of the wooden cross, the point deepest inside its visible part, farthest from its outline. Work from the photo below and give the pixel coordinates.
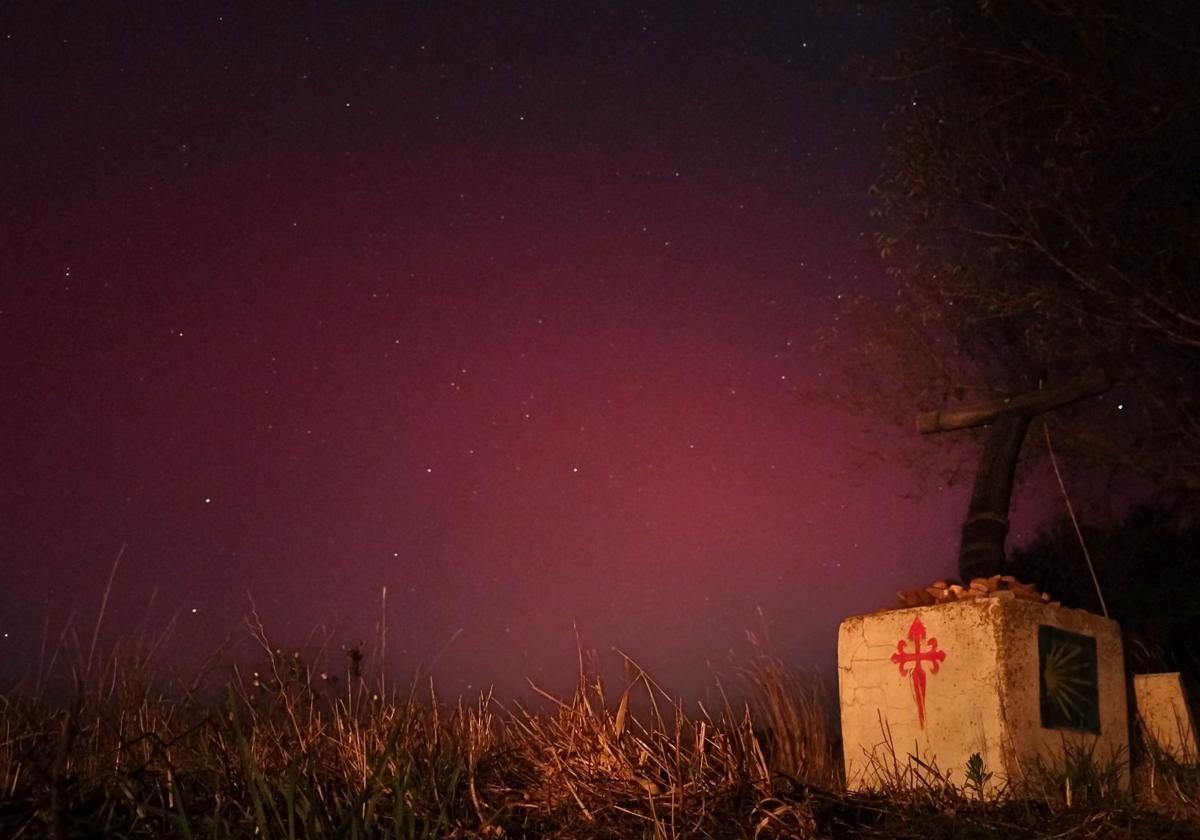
(981, 551)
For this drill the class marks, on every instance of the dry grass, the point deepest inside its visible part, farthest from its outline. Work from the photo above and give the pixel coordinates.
(283, 751)
(289, 751)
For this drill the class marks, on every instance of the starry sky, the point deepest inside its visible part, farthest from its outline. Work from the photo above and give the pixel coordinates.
(507, 308)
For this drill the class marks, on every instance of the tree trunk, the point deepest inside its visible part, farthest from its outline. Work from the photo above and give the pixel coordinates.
(981, 552)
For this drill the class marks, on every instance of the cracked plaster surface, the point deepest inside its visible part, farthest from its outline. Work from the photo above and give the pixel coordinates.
(980, 637)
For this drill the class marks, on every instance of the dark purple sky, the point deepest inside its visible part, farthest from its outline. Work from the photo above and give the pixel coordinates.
(509, 309)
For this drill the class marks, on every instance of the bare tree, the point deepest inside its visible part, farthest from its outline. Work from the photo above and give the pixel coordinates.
(1039, 213)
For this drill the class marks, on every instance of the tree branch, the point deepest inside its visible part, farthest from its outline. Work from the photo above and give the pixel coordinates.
(1088, 384)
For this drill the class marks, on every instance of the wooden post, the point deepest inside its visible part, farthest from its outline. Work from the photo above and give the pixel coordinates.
(981, 549)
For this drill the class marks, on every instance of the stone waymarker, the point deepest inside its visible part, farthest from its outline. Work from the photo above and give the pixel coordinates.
(1164, 715)
(1009, 679)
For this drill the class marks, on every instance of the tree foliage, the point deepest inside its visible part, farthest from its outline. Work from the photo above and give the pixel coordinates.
(1039, 213)
(1146, 566)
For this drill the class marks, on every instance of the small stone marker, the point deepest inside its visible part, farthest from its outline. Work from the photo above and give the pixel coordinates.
(1008, 678)
(1163, 712)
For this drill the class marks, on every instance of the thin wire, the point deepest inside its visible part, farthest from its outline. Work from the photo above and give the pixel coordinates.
(1071, 510)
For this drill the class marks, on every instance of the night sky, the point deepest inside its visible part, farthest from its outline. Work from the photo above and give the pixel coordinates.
(508, 309)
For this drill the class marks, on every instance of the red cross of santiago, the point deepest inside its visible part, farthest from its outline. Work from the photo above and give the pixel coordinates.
(902, 657)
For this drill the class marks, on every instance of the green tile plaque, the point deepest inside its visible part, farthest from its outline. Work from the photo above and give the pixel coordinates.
(1068, 686)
